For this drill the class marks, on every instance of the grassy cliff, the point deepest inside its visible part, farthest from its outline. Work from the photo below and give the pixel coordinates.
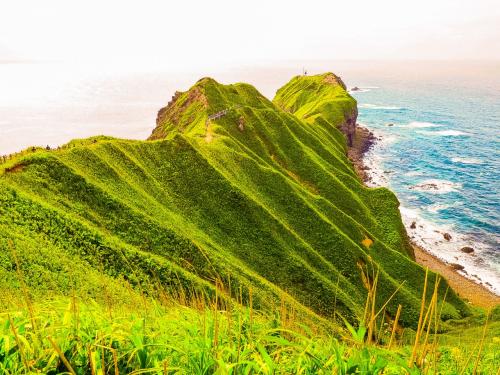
(231, 189)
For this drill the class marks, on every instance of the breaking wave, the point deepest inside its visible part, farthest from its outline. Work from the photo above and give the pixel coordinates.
(436, 186)
(420, 125)
(446, 133)
(466, 161)
(376, 106)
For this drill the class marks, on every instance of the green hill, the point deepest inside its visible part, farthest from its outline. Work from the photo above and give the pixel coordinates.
(231, 188)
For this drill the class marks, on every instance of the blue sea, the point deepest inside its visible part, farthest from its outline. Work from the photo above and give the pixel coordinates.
(438, 125)
(438, 149)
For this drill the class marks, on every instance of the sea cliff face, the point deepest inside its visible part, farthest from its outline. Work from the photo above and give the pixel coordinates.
(231, 186)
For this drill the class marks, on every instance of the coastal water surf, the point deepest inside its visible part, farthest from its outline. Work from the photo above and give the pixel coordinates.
(440, 153)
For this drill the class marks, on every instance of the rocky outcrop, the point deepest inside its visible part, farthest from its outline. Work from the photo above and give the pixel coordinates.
(162, 113)
(349, 126)
(363, 140)
(170, 115)
(334, 79)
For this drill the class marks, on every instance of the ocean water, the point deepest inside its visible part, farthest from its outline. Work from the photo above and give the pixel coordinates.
(441, 154)
(439, 151)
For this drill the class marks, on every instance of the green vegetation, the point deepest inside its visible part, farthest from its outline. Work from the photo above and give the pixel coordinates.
(142, 335)
(262, 200)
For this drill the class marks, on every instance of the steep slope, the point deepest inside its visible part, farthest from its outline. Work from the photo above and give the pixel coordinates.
(231, 187)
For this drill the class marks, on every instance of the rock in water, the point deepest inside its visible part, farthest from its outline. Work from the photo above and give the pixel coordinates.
(413, 225)
(467, 249)
(447, 236)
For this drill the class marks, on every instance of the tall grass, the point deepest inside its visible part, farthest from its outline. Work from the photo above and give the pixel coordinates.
(191, 334)
(173, 331)
(168, 339)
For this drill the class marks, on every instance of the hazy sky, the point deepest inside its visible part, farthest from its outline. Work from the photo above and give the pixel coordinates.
(193, 33)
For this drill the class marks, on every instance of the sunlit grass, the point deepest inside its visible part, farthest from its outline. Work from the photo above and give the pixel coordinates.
(179, 335)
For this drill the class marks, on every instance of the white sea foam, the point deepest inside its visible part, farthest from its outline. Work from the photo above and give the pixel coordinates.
(436, 186)
(376, 106)
(373, 160)
(419, 125)
(375, 173)
(446, 133)
(438, 207)
(413, 173)
(430, 236)
(466, 161)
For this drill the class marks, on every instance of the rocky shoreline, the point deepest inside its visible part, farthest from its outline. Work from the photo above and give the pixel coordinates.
(476, 294)
(362, 142)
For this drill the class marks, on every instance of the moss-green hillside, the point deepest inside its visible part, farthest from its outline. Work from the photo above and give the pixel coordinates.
(232, 187)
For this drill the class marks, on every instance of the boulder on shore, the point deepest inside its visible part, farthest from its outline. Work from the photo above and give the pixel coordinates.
(413, 225)
(457, 267)
(467, 249)
(447, 236)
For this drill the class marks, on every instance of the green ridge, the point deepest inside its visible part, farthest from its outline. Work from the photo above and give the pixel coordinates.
(263, 198)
